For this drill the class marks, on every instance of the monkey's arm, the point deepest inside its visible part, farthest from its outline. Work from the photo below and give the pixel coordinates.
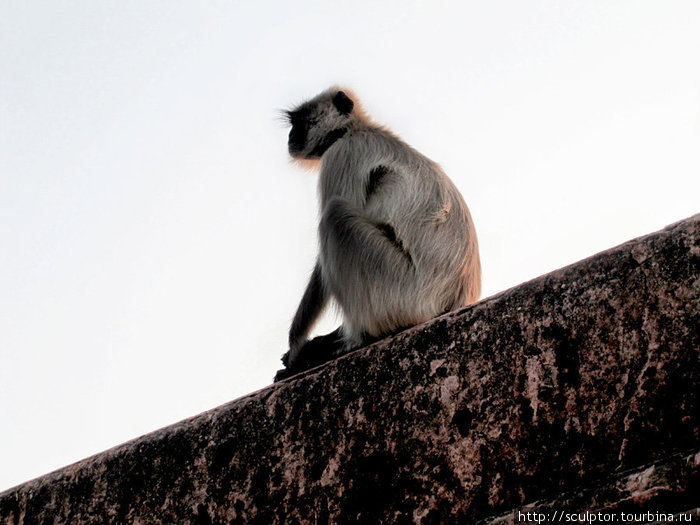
(312, 304)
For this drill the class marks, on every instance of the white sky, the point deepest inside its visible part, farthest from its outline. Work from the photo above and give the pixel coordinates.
(155, 240)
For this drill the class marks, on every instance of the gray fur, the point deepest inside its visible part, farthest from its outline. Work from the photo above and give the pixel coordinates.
(396, 250)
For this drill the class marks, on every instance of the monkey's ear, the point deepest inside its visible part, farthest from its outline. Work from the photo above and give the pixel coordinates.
(343, 103)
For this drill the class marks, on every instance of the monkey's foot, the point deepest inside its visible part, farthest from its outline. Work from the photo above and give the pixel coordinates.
(319, 350)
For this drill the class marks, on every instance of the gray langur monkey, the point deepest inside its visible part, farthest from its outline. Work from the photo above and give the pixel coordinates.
(397, 243)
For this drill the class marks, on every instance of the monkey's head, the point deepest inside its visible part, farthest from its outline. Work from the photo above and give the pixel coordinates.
(318, 123)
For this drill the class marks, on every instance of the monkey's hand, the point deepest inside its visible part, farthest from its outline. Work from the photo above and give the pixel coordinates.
(292, 355)
(311, 354)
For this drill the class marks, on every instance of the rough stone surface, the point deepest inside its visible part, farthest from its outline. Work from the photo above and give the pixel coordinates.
(653, 491)
(576, 381)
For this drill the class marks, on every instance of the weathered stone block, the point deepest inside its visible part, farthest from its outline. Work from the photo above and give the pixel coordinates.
(559, 383)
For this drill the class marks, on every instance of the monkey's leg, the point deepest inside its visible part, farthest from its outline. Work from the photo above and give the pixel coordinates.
(312, 304)
(369, 270)
(356, 244)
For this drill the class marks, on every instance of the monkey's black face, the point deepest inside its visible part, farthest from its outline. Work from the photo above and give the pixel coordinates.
(297, 140)
(301, 123)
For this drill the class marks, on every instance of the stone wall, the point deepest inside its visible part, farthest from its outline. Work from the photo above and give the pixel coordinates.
(577, 391)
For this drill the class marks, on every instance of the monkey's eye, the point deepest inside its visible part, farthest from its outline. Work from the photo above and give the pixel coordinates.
(292, 117)
(298, 117)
